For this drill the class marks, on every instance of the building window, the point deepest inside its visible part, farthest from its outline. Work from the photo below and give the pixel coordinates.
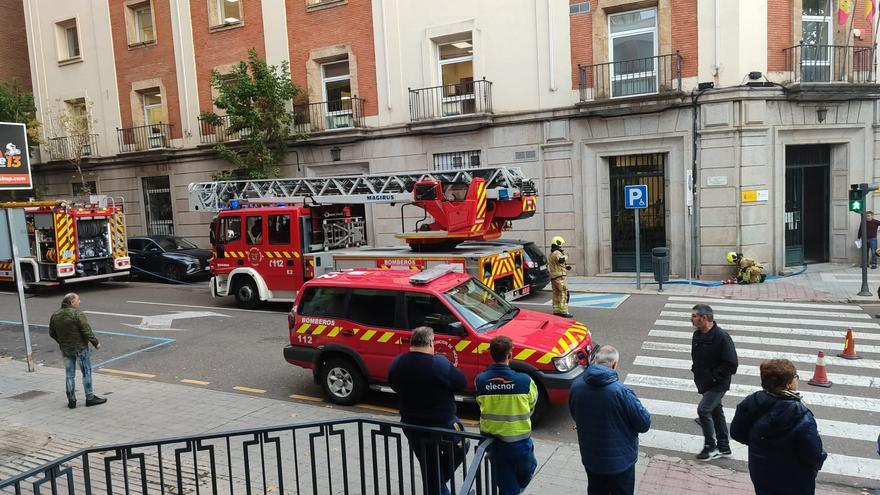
(457, 77)
(816, 54)
(139, 20)
(632, 48)
(336, 87)
(457, 160)
(154, 113)
(579, 8)
(78, 116)
(157, 203)
(68, 40)
(224, 12)
(81, 191)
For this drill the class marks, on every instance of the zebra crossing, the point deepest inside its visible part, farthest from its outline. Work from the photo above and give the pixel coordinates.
(847, 415)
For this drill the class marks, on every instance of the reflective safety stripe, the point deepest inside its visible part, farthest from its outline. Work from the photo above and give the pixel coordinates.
(303, 328)
(505, 415)
(481, 348)
(386, 337)
(512, 417)
(319, 330)
(334, 332)
(524, 354)
(368, 335)
(462, 345)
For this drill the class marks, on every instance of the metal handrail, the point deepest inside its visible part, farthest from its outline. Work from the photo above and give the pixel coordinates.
(626, 78)
(210, 133)
(315, 457)
(330, 115)
(808, 63)
(62, 148)
(144, 137)
(450, 100)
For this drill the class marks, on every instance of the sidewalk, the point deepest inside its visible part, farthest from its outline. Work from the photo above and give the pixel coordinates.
(36, 427)
(825, 282)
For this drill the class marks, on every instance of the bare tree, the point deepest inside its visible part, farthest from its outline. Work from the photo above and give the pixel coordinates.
(72, 123)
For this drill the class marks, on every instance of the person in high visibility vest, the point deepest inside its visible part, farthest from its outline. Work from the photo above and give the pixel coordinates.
(507, 400)
(750, 271)
(558, 268)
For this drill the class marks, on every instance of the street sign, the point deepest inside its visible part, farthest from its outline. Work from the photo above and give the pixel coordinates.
(15, 166)
(19, 227)
(635, 197)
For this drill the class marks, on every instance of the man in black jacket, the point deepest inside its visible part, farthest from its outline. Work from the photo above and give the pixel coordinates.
(714, 362)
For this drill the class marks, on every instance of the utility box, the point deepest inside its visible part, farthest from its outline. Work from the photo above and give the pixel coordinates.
(660, 262)
(21, 234)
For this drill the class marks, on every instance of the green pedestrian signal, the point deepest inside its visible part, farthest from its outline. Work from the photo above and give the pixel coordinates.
(855, 205)
(856, 200)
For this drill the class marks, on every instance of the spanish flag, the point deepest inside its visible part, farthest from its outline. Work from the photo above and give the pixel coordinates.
(843, 11)
(870, 9)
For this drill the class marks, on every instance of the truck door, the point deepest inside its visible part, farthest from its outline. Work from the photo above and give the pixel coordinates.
(283, 270)
(380, 333)
(230, 243)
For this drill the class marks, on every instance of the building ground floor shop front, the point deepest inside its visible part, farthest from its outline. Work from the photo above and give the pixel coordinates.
(771, 180)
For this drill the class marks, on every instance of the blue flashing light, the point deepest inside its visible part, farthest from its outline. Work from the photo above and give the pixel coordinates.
(234, 204)
(503, 195)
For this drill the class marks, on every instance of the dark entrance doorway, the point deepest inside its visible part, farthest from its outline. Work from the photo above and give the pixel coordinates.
(630, 170)
(807, 199)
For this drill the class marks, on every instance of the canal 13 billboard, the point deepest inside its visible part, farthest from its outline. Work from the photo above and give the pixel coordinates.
(15, 166)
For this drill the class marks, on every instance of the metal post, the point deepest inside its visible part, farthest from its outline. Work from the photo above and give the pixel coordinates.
(639, 255)
(29, 353)
(865, 291)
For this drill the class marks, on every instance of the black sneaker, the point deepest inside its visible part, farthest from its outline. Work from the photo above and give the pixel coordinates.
(725, 451)
(708, 453)
(95, 400)
(71, 404)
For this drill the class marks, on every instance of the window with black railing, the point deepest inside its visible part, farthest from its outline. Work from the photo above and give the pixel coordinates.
(220, 131)
(625, 78)
(345, 113)
(451, 100)
(144, 137)
(72, 147)
(457, 160)
(820, 63)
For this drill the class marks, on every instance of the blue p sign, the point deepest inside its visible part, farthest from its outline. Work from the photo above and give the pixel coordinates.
(636, 196)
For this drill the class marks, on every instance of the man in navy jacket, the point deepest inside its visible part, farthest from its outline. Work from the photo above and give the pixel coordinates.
(609, 418)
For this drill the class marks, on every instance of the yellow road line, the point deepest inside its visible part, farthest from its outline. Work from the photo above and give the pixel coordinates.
(370, 407)
(126, 373)
(248, 389)
(469, 422)
(306, 397)
(194, 382)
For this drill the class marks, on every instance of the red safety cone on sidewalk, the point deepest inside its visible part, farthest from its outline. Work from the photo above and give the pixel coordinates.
(820, 377)
(849, 347)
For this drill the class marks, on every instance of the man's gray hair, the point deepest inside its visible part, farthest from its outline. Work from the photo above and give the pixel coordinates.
(421, 337)
(607, 356)
(704, 310)
(68, 298)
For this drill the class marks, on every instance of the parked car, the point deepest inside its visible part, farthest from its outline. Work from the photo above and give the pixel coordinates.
(173, 258)
(536, 275)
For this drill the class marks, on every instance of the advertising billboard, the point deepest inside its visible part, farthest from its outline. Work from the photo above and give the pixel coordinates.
(15, 165)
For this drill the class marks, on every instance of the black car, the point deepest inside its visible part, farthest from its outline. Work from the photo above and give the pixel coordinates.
(536, 274)
(169, 257)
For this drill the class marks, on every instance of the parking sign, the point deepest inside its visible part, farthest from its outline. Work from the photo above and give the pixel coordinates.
(635, 197)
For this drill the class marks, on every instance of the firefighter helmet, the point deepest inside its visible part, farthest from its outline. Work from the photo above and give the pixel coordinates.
(557, 241)
(731, 257)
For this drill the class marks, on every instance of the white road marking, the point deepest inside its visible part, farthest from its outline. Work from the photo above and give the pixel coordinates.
(844, 465)
(833, 334)
(203, 307)
(749, 370)
(782, 304)
(736, 390)
(827, 428)
(757, 354)
(809, 344)
(161, 322)
(770, 319)
(786, 311)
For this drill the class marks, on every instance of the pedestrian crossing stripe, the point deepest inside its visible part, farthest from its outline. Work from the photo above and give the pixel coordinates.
(758, 354)
(788, 311)
(771, 319)
(590, 300)
(833, 334)
(761, 304)
(807, 344)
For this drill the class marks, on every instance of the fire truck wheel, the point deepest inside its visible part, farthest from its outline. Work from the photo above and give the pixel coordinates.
(342, 381)
(246, 294)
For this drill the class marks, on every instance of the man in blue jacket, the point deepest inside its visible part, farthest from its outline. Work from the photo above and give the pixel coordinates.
(609, 418)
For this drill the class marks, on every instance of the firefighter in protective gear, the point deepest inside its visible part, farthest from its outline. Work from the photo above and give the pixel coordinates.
(558, 269)
(750, 271)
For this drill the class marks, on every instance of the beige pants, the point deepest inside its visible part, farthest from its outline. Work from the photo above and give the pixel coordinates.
(560, 295)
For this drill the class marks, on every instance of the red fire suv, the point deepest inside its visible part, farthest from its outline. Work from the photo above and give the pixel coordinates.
(348, 326)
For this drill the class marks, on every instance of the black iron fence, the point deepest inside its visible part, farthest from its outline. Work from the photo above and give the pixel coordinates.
(72, 147)
(344, 456)
(145, 137)
(464, 98)
(220, 132)
(830, 63)
(622, 78)
(328, 115)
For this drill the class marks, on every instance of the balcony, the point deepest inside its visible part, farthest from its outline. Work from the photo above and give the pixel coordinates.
(212, 133)
(834, 72)
(644, 77)
(451, 107)
(72, 148)
(330, 121)
(144, 138)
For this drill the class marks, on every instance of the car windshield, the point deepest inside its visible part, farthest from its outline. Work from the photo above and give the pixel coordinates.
(481, 307)
(175, 243)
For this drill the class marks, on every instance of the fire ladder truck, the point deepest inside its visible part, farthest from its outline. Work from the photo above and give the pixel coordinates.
(71, 242)
(270, 236)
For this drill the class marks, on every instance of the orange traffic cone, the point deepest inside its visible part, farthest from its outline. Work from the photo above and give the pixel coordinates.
(849, 347)
(820, 377)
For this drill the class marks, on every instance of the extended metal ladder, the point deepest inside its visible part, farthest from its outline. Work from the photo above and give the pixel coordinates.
(501, 182)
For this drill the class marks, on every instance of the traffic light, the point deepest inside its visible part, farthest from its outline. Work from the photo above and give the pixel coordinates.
(856, 200)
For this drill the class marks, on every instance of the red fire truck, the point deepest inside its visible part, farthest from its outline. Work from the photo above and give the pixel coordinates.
(271, 236)
(71, 242)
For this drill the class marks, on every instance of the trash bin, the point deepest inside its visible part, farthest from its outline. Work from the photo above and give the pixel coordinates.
(660, 262)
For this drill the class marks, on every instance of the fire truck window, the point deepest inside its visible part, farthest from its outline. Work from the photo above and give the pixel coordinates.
(230, 229)
(427, 310)
(254, 230)
(373, 307)
(279, 229)
(455, 192)
(324, 301)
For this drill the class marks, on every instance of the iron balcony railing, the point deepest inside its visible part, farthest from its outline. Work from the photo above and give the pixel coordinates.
(144, 138)
(623, 78)
(210, 133)
(830, 63)
(450, 100)
(345, 456)
(346, 113)
(72, 147)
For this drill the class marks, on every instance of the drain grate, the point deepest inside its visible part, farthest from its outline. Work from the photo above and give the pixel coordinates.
(30, 394)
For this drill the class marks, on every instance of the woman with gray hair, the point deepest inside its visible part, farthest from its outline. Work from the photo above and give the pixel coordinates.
(785, 450)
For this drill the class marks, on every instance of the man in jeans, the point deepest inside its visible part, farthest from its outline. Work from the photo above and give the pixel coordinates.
(70, 328)
(871, 225)
(714, 362)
